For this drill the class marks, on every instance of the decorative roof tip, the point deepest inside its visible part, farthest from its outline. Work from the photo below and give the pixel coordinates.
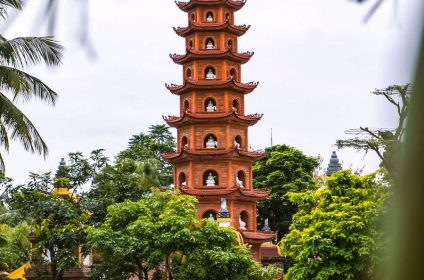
(186, 6)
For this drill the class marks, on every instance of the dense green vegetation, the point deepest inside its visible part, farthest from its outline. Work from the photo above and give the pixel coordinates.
(284, 169)
(137, 237)
(335, 233)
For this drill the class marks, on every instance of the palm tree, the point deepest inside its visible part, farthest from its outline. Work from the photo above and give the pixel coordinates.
(15, 54)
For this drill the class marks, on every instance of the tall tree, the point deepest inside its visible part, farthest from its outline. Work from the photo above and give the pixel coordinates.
(126, 180)
(150, 146)
(15, 54)
(284, 169)
(335, 233)
(385, 143)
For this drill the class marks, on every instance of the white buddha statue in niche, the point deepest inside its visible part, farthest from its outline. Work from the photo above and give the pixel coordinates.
(242, 224)
(210, 45)
(209, 18)
(236, 145)
(210, 75)
(211, 218)
(210, 181)
(211, 143)
(210, 107)
(239, 182)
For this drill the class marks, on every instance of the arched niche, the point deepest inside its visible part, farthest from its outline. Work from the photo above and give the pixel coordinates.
(210, 73)
(233, 74)
(210, 44)
(244, 218)
(210, 178)
(236, 106)
(210, 105)
(182, 180)
(228, 17)
(238, 142)
(241, 179)
(184, 143)
(209, 214)
(193, 17)
(230, 44)
(189, 73)
(209, 17)
(190, 44)
(186, 106)
(210, 142)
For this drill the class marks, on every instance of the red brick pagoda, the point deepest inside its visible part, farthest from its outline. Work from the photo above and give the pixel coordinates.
(213, 161)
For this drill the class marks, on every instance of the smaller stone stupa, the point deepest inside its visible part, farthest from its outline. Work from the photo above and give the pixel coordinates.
(334, 165)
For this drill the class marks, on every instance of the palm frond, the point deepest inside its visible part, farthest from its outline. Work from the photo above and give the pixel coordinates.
(20, 128)
(4, 138)
(2, 165)
(25, 86)
(30, 51)
(4, 4)
(17, 4)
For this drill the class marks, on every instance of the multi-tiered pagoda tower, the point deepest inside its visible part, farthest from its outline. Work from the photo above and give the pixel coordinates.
(213, 161)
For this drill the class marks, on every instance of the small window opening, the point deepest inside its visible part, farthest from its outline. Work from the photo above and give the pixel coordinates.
(193, 17)
(233, 74)
(236, 106)
(190, 44)
(186, 106)
(188, 73)
(241, 179)
(230, 44)
(184, 143)
(243, 220)
(182, 180)
(238, 142)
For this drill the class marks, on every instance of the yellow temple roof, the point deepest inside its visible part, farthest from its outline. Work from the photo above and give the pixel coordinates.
(19, 273)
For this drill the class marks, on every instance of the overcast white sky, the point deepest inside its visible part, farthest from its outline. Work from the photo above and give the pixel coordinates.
(316, 62)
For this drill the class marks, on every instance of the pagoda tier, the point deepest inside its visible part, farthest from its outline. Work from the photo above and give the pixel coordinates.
(189, 118)
(232, 4)
(232, 193)
(190, 85)
(192, 54)
(210, 154)
(226, 26)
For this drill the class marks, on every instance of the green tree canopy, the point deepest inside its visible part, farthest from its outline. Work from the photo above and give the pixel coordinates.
(284, 169)
(335, 235)
(14, 246)
(152, 145)
(162, 228)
